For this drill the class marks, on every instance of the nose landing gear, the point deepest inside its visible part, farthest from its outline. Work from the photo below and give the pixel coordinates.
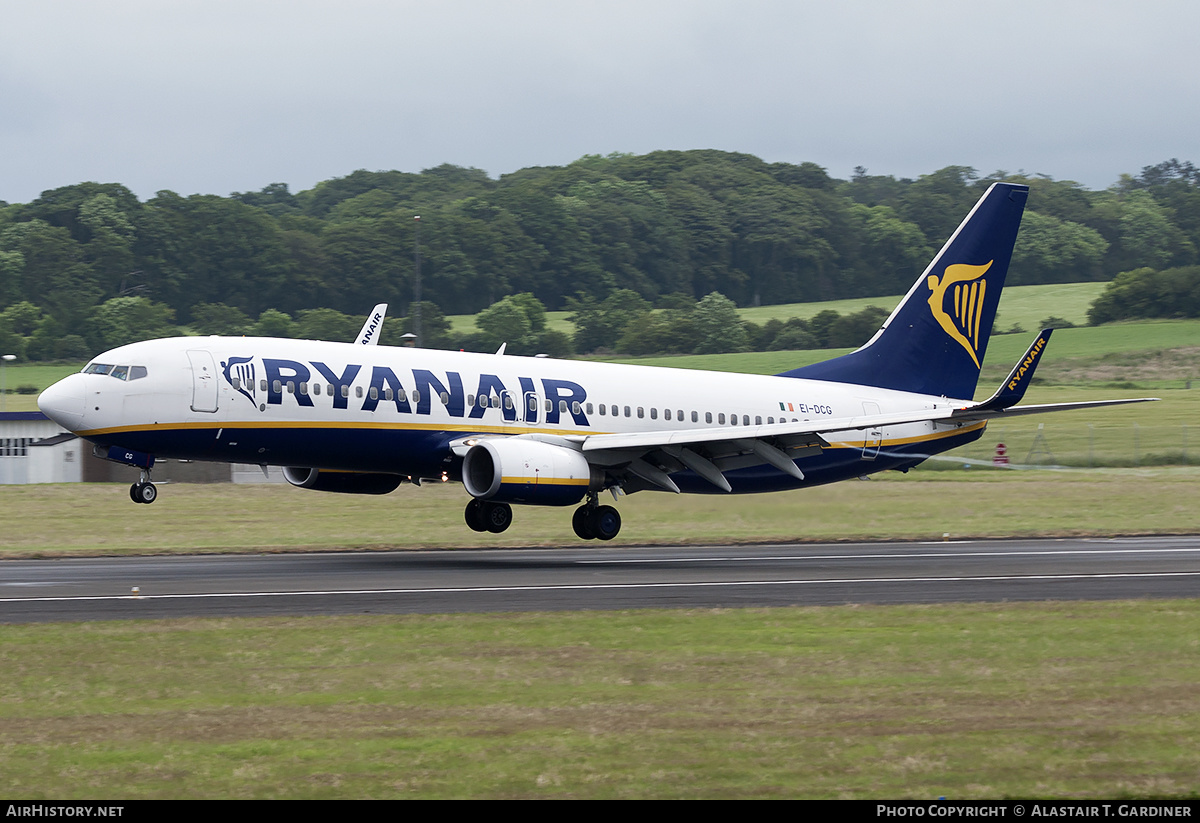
(143, 491)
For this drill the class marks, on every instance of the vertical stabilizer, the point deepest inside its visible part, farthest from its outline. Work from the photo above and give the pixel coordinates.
(369, 334)
(935, 340)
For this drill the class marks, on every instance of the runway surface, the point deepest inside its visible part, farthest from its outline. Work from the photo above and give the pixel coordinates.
(597, 577)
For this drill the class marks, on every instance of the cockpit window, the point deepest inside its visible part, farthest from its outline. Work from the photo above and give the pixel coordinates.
(97, 368)
(137, 372)
(120, 372)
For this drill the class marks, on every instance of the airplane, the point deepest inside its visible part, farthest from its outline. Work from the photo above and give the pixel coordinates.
(351, 418)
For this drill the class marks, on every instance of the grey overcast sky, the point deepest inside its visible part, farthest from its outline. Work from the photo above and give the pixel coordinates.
(213, 97)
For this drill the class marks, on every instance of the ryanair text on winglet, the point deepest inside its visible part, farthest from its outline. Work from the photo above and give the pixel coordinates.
(1035, 352)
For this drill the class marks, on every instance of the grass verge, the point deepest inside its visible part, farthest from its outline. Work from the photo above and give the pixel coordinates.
(982, 700)
(98, 519)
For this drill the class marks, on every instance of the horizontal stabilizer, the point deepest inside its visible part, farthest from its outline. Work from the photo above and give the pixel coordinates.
(980, 413)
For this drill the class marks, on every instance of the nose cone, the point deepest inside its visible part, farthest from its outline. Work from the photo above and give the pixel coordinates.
(64, 402)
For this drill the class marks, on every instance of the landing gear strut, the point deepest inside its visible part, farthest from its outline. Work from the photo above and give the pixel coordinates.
(594, 522)
(483, 516)
(143, 491)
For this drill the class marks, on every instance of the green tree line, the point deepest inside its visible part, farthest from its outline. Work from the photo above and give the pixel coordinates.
(87, 266)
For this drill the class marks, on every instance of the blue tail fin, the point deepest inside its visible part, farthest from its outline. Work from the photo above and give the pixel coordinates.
(935, 340)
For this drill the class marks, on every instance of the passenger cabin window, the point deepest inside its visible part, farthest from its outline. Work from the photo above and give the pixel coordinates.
(316, 388)
(445, 398)
(532, 403)
(667, 414)
(707, 417)
(602, 409)
(262, 384)
(576, 408)
(589, 408)
(653, 413)
(277, 386)
(628, 412)
(304, 387)
(373, 393)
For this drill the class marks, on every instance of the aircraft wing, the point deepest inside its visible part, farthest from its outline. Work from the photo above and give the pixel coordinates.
(802, 430)
(653, 456)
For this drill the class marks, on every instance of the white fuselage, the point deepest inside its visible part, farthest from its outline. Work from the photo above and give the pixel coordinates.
(346, 407)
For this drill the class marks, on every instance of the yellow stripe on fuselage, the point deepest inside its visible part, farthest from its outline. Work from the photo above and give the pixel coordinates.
(510, 428)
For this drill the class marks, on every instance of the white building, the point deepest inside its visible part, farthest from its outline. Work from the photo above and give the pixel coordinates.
(19, 431)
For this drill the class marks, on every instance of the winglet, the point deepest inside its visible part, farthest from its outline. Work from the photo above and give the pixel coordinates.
(1013, 389)
(369, 334)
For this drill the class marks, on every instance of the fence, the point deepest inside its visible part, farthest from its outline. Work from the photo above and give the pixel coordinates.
(1087, 445)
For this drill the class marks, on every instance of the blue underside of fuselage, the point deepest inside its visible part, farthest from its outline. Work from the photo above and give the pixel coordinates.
(421, 453)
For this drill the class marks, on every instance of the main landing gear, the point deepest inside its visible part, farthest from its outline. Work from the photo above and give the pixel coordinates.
(483, 516)
(593, 522)
(590, 521)
(143, 491)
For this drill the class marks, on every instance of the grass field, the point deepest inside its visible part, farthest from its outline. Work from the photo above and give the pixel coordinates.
(1025, 306)
(1074, 700)
(1127, 352)
(75, 519)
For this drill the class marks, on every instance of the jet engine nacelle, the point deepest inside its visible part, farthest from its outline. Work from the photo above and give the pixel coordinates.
(343, 482)
(517, 470)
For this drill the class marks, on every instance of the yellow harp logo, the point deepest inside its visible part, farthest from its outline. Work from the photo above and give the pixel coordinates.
(966, 309)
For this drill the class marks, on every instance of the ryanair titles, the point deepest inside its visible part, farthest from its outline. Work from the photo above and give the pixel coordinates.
(1035, 351)
(384, 387)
